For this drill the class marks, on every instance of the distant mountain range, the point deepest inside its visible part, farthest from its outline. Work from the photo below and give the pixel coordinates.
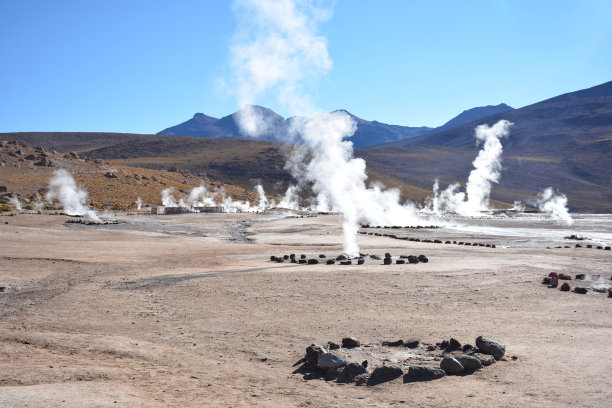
(563, 142)
(369, 133)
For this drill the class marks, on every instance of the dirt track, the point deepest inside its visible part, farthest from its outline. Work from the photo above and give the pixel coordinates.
(134, 315)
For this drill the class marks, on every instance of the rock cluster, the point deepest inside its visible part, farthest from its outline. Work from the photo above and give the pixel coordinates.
(345, 260)
(328, 361)
(553, 278)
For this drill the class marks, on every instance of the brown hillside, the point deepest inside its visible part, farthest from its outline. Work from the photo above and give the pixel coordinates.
(25, 172)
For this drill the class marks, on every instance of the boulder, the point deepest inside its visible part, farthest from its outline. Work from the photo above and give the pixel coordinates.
(469, 363)
(397, 343)
(412, 343)
(423, 258)
(360, 261)
(580, 276)
(312, 354)
(341, 258)
(313, 261)
(423, 373)
(332, 345)
(110, 174)
(387, 255)
(322, 256)
(350, 371)
(387, 261)
(330, 262)
(350, 342)
(489, 346)
(400, 262)
(451, 366)
(564, 276)
(385, 373)
(485, 359)
(565, 287)
(329, 360)
(347, 262)
(453, 344)
(582, 291)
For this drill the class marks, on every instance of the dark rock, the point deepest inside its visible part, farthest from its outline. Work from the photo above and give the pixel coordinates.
(376, 257)
(580, 276)
(313, 261)
(412, 343)
(292, 256)
(302, 256)
(578, 246)
(387, 255)
(565, 287)
(322, 256)
(444, 344)
(2, 289)
(341, 258)
(431, 348)
(294, 260)
(330, 262)
(110, 174)
(312, 354)
(489, 346)
(589, 246)
(467, 347)
(302, 261)
(423, 373)
(453, 344)
(364, 363)
(413, 259)
(563, 276)
(285, 256)
(385, 373)
(469, 363)
(350, 371)
(423, 258)
(397, 343)
(485, 359)
(582, 291)
(607, 248)
(451, 366)
(387, 261)
(348, 262)
(400, 262)
(272, 258)
(350, 342)
(329, 360)
(360, 261)
(332, 345)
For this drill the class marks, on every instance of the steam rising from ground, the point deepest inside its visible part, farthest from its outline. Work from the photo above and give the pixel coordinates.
(62, 188)
(487, 167)
(278, 50)
(554, 204)
(15, 202)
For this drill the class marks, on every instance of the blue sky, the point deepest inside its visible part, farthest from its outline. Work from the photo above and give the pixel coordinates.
(141, 66)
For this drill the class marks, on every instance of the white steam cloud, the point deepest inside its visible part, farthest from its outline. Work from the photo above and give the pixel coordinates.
(487, 168)
(15, 202)
(278, 50)
(62, 188)
(554, 204)
(139, 203)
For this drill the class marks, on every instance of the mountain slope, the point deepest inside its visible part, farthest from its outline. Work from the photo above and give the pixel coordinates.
(473, 114)
(563, 142)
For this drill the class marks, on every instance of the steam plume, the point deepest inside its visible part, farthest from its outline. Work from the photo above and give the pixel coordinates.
(168, 197)
(15, 202)
(554, 204)
(487, 167)
(279, 51)
(63, 189)
(139, 203)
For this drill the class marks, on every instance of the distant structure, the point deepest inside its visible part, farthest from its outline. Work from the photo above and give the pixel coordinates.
(161, 210)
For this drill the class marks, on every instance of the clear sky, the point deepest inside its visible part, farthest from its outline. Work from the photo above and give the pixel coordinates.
(141, 66)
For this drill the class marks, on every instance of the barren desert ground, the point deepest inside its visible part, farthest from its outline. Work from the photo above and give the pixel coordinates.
(188, 310)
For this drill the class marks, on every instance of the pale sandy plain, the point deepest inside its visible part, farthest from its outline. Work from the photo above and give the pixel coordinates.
(189, 311)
